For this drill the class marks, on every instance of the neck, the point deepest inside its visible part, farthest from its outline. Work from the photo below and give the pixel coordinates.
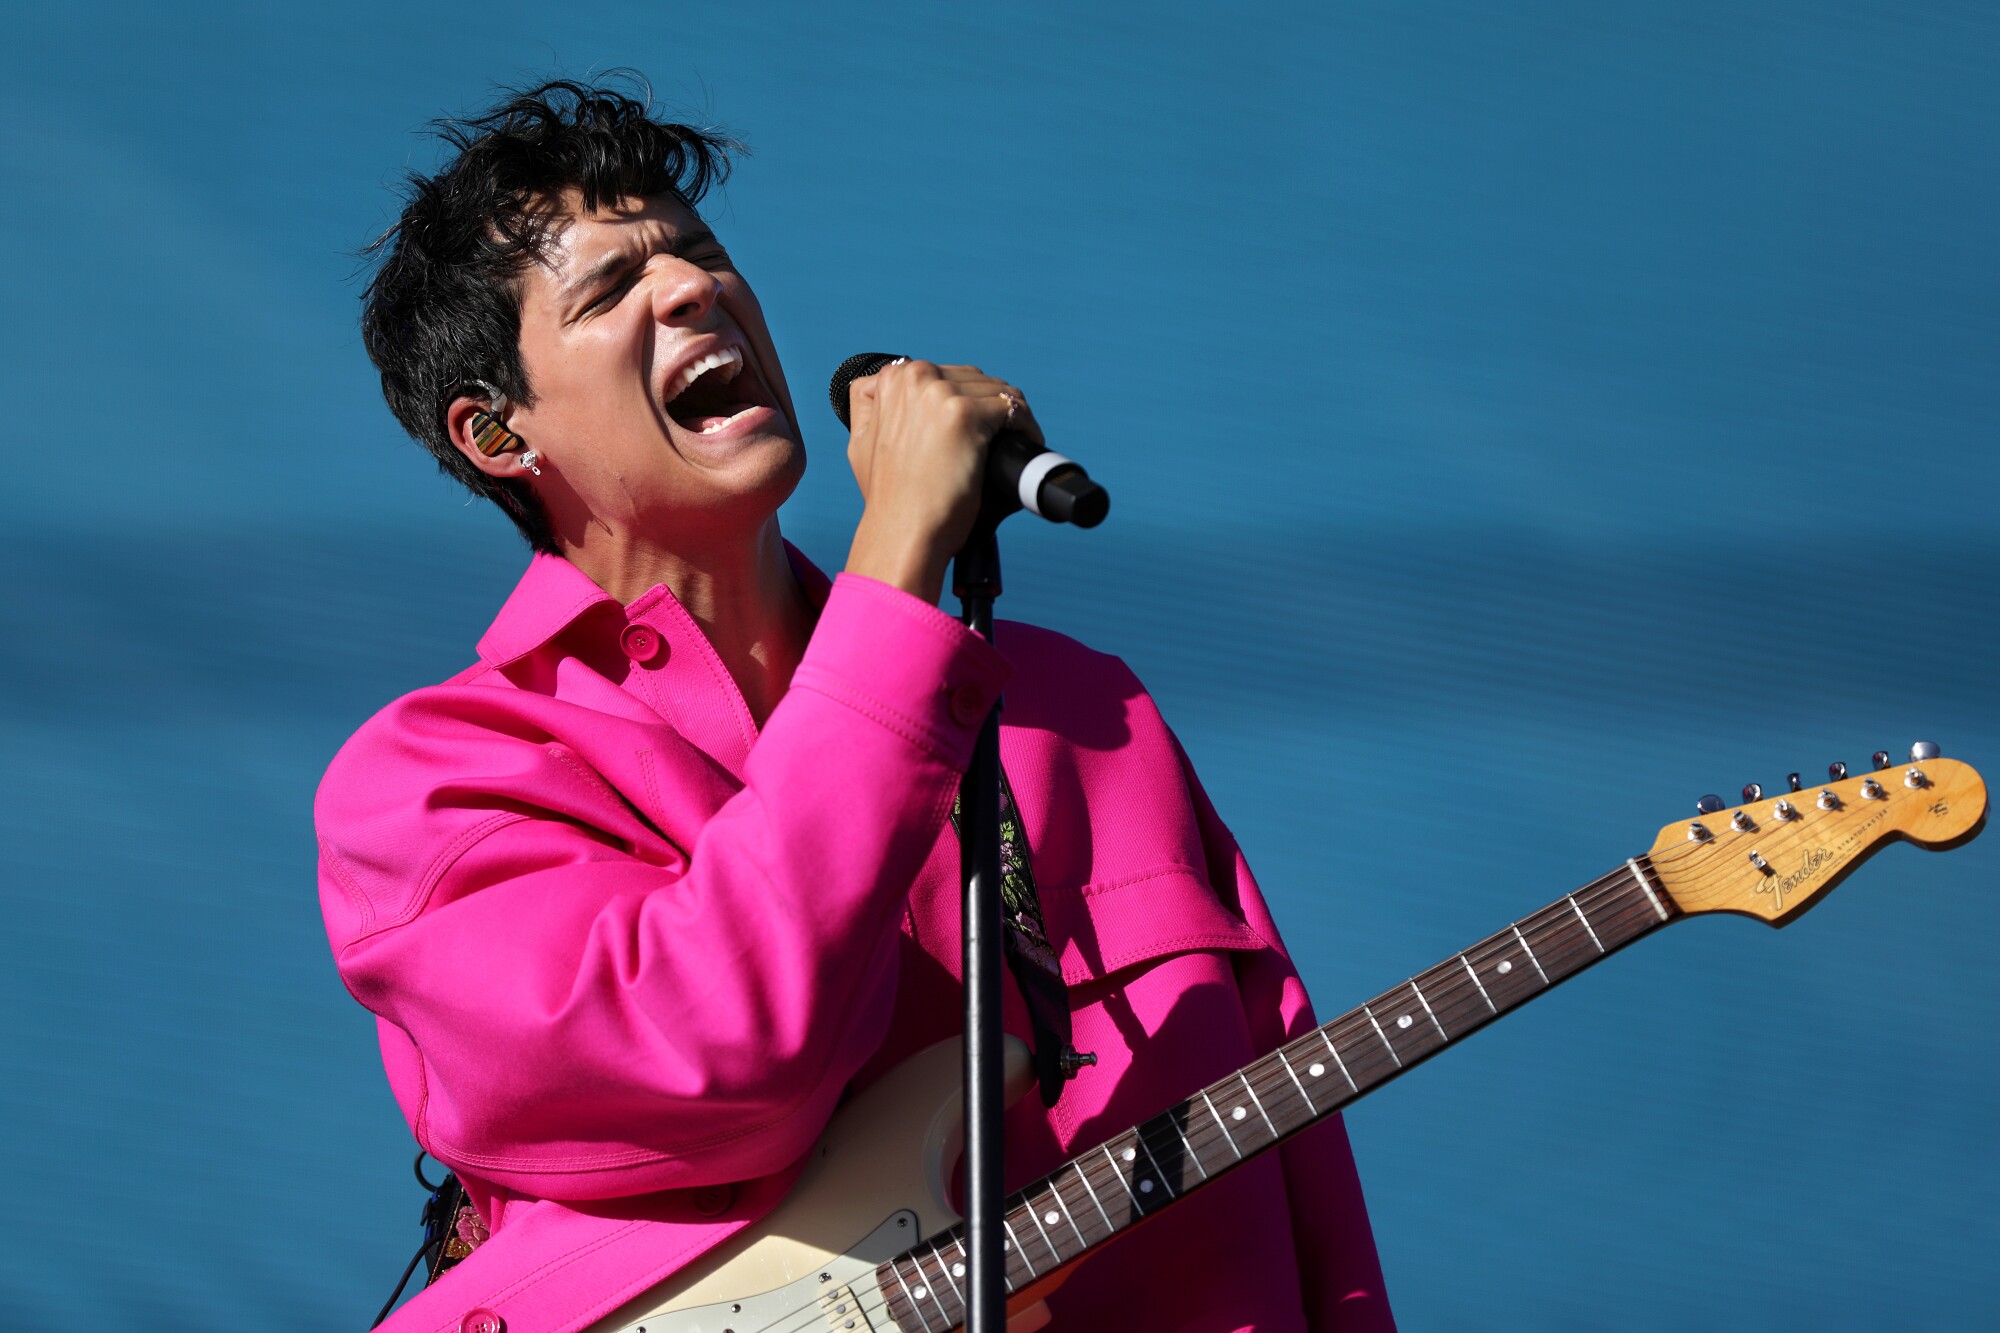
(741, 592)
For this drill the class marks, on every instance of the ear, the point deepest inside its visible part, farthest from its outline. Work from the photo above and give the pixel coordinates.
(466, 422)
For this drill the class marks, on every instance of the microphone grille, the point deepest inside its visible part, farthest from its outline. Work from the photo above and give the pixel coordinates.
(857, 367)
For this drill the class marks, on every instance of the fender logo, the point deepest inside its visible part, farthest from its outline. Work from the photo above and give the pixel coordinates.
(1941, 808)
(1816, 860)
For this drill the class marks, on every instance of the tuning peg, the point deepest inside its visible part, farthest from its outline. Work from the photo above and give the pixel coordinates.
(1792, 780)
(1923, 750)
(1752, 792)
(1836, 770)
(1708, 805)
(1880, 759)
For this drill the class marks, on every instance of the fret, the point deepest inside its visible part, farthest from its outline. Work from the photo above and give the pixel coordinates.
(1014, 1243)
(1429, 1012)
(909, 1295)
(1062, 1207)
(1531, 954)
(1277, 1095)
(1504, 964)
(1651, 897)
(944, 1271)
(1173, 1121)
(1034, 1216)
(1339, 1063)
(1401, 1025)
(1256, 1102)
(1389, 1045)
(1137, 1206)
(949, 1305)
(1619, 911)
(1562, 940)
(1472, 972)
(1310, 1106)
(1109, 1226)
(1586, 925)
(1230, 1138)
(1158, 1174)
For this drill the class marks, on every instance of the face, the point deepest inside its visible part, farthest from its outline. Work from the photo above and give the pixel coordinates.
(660, 407)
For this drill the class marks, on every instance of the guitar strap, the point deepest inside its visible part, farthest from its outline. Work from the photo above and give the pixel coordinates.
(1029, 955)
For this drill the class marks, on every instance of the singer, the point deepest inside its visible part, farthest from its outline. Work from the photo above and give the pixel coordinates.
(639, 896)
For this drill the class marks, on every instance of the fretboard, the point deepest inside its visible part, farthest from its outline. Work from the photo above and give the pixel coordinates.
(1093, 1198)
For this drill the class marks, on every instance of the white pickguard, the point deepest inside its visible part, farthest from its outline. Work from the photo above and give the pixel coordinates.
(863, 1198)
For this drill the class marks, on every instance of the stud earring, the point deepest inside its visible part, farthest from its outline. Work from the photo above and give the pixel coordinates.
(529, 459)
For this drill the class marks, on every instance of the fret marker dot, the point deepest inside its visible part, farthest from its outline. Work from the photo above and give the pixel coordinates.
(1315, 1070)
(1405, 1021)
(1145, 1187)
(920, 1293)
(1051, 1218)
(1504, 967)
(958, 1270)
(1130, 1154)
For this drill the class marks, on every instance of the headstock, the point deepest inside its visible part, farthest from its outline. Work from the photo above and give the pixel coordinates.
(1774, 856)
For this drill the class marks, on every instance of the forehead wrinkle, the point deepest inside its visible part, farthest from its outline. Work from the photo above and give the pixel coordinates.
(678, 245)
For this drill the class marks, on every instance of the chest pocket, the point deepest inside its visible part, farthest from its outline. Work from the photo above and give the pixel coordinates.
(1105, 929)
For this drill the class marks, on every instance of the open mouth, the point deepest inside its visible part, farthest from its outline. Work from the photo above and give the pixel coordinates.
(713, 391)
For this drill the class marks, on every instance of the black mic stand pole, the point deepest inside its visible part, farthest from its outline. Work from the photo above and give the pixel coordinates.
(975, 578)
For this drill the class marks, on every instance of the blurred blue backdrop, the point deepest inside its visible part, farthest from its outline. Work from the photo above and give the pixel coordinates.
(1523, 419)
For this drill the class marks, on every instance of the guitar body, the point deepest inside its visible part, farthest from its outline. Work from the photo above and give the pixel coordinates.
(876, 1185)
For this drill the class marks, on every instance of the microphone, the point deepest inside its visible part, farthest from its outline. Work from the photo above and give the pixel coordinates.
(1019, 472)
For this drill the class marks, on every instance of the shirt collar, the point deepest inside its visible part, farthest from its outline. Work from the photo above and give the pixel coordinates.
(553, 594)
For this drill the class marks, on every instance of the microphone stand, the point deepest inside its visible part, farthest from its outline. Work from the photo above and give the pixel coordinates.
(975, 579)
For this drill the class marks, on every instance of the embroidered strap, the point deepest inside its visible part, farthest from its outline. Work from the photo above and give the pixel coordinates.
(1029, 955)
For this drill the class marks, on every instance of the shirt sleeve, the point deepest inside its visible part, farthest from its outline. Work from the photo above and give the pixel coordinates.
(1339, 1272)
(576, 1008)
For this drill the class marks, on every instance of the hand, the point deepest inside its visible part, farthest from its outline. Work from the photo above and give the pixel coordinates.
(918, 450)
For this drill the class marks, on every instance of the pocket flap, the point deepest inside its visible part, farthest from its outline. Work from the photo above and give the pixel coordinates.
(1103, 928)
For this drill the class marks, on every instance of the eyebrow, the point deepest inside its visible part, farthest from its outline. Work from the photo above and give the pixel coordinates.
(679, 248)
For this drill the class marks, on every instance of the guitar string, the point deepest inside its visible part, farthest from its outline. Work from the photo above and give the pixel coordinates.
(1636, 907)
(1206, 1142)
(1203, 1142)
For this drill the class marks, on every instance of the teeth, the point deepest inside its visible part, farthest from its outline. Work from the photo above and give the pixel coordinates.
(728, 358)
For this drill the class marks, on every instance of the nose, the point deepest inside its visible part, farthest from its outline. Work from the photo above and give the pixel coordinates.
(684, 292)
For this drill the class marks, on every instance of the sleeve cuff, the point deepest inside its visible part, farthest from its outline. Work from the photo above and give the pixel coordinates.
(903, 661)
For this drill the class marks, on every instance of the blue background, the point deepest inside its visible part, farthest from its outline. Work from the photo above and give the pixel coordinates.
(1522, 419)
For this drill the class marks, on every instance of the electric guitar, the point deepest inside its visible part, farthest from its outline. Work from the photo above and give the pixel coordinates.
(867, 1243)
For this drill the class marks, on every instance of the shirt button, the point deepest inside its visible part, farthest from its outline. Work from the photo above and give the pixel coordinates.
(969, 705)
(481, 1321)
(642, 643)
(710, 1200)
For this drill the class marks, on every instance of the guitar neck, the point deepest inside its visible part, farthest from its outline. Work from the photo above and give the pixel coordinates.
(1093, 1198)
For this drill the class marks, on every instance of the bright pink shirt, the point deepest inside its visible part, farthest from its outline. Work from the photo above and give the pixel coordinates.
(627, 953)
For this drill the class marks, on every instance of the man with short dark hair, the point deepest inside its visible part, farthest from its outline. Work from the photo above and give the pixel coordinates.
(639, 896)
